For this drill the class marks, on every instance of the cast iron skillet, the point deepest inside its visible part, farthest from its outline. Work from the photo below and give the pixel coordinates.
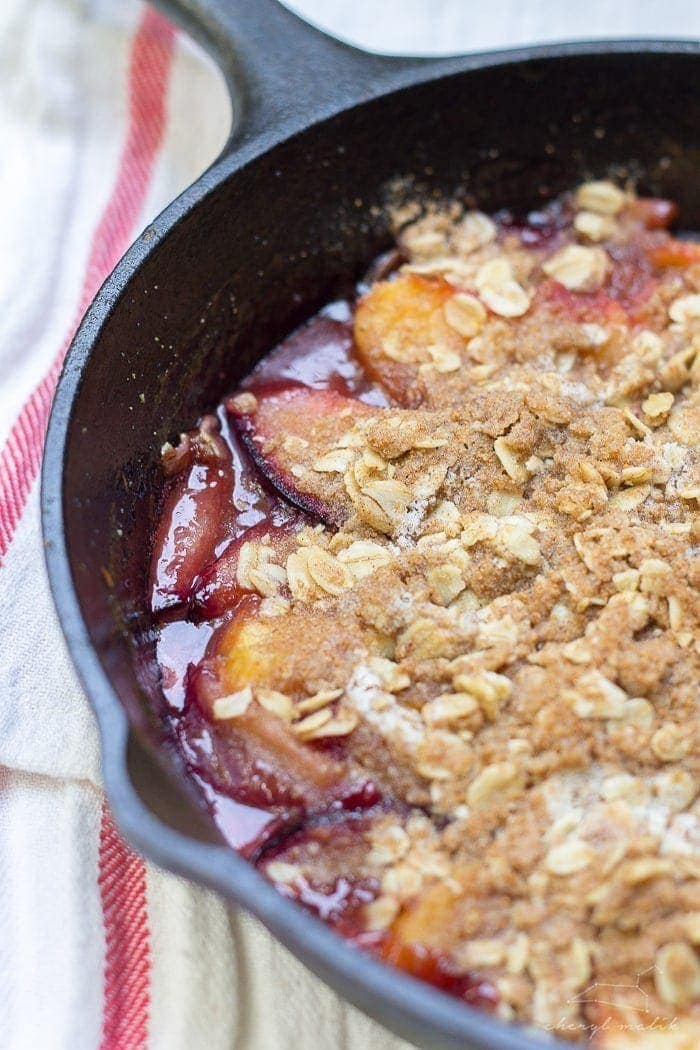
(285, 220)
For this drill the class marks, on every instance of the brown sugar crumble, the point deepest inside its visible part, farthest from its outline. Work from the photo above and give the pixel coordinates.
(447, 601)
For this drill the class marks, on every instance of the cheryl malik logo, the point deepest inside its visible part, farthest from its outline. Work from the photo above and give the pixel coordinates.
(637, 1018)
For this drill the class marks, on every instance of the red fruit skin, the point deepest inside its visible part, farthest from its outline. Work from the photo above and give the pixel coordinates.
(192, 523)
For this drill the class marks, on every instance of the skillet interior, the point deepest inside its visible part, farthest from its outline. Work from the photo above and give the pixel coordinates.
(266, 247)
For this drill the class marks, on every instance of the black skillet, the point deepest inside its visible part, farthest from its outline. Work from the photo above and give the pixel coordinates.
(285, 220)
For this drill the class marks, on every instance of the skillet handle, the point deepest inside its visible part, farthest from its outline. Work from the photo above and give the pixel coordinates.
(282, 72)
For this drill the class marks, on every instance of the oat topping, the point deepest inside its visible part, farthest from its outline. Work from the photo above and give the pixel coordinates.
(497, 618)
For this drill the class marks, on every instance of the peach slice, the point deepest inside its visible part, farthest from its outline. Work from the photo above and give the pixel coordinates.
(396, 323)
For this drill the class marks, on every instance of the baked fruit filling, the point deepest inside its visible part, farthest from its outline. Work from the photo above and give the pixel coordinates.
(427, 600)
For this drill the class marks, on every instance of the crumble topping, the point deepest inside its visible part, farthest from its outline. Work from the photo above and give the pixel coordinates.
(496, 609)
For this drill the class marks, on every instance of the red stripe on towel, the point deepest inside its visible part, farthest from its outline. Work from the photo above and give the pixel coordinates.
(122, 882)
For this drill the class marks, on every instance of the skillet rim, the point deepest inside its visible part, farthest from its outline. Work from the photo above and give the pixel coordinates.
(402, 1003)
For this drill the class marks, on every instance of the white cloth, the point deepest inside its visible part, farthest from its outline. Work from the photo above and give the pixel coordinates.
(105, 115)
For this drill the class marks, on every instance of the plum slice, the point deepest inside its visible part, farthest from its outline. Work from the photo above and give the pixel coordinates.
(287, 430)
(195, 515)
(396, 324)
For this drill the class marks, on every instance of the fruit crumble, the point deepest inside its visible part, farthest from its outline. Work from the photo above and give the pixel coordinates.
(427, 605)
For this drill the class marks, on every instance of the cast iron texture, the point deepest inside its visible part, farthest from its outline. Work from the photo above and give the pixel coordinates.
(285, 220)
